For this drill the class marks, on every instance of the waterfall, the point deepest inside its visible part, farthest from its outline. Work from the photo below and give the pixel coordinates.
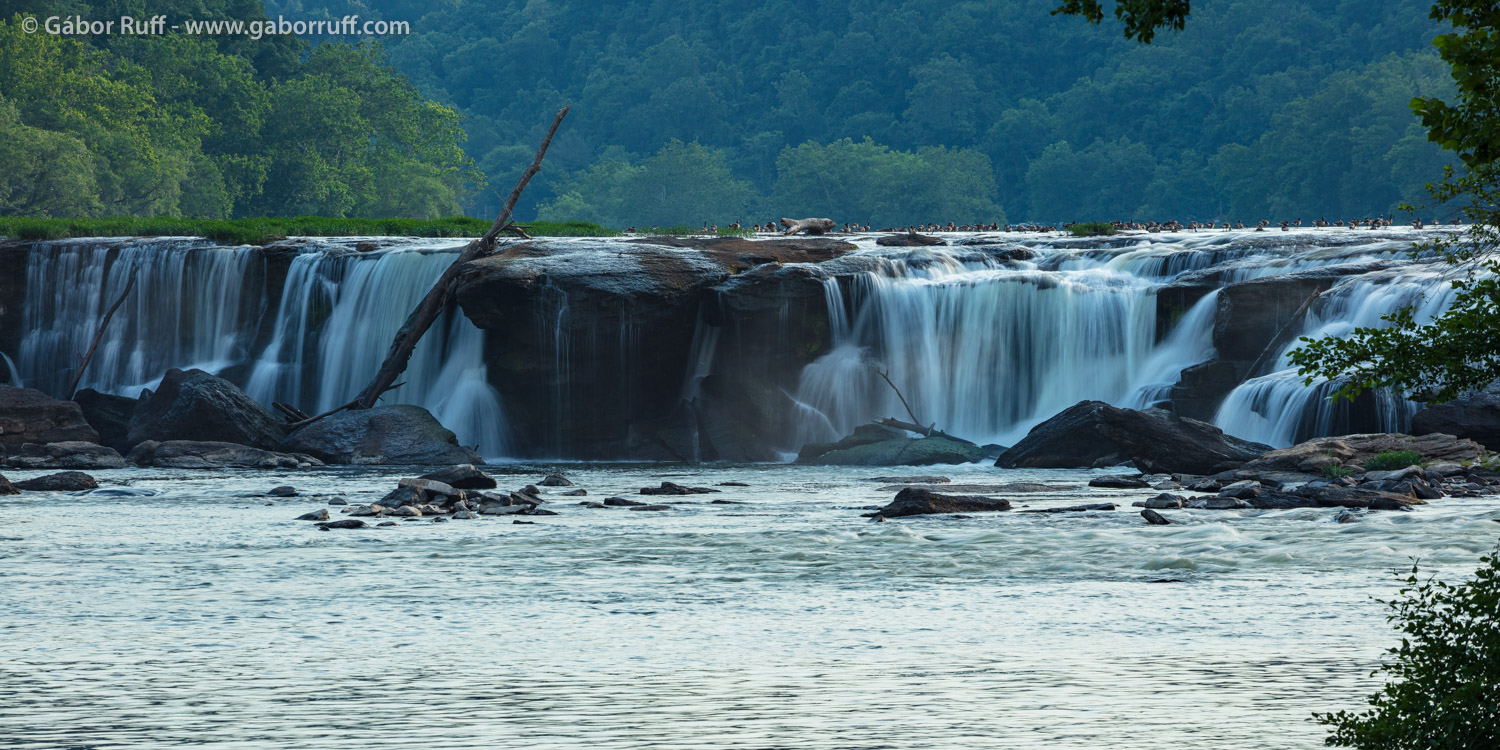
(195, 304)
(1190, 342)
(338, 314)
(200, 305)
(1280, 409)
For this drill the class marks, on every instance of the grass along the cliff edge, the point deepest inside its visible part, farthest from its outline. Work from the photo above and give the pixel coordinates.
(261, 231)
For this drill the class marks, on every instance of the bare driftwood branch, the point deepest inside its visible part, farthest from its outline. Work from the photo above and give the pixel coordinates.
(292, 413)
(83, 362)
(433, 304)
(887, 378)
(335, 410)
(915, 425)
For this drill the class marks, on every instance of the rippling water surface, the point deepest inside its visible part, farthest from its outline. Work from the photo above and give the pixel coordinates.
(199, 617)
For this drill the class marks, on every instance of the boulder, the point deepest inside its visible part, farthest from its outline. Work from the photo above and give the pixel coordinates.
(879, 445)
(909, 239)
(66, 455)
(650, 507)
(192, 405)
(463, 477)
(916, 502)
(399, 434)
(317, 515)
(432, 487)
(29, 416)
(284, 490)
(1355, 450)
(556, 480)
(620, 502)
(1475, 416)
(403, 495)
(66, 481)
(204, 454)
(1154, 518)
(1119, 483)
(347, 523)
(1167, 500)
(6, 488)
(1092, 434)
(671, 488)
(109, 415)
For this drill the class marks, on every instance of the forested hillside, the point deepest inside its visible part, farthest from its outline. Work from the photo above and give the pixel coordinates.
(214, 127)
(893, 111)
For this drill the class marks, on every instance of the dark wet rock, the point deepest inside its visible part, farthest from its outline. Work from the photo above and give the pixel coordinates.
(284, 490)
(985, 489)
(519, 522)
(1346, 516)
(67, 481)
(534, 511)
(1475, 416)
(912, 479)
(1219, 503)
(532, 490)
(556, 480)
(878, 445)
(492, 508)
(726, 502)
(431, 487)
(367, 510)
(580, 492)
(670, 488)
(384, 523)
(1355, 450)
(1154, 518)
(1256, 315)
(1167, 500)
(1201, 388)
(913, 502)
(1244, 489)
(317, 515)
(194, 405)
(404, 495)
(1334, 496)
(405, 511)
(650, 507)
(440, 519)
(29, 416)
(1119, 483)
(66, 455)
(621, 502)
(399, 434)
(463, 477)
(1073, 508)
(6, 488)
(465, 515)
(909, 239)
(338, 501)
(1093, 434)
(347, 523)
(190, 454)
(593, 504)
(109, 415)
(733, 484)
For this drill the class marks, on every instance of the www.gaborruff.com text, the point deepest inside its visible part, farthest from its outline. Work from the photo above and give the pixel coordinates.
(257, 29)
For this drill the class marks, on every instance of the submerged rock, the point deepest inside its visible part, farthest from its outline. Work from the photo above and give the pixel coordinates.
(879, 445)
(190, 454)
(1072, 508)
(67, 481)
(317, 515)
(650, 507)
(1093, 434)
(915, 502)
(196, 406)
(284, 490)
(29, 416)
(669, 488)
(620, 502)
(1154, 518)
(911, 479)
(347, 523)
(67, 455)
(1119, 483)
(399, 434)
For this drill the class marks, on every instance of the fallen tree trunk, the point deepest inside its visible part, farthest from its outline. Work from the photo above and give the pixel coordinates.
(436, 301)
(809, 226)
(83, 362)
(920, 430)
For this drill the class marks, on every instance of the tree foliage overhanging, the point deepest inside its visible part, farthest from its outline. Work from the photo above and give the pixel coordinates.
(214, 127)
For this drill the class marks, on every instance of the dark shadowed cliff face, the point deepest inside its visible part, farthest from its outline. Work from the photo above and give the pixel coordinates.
(658, 348)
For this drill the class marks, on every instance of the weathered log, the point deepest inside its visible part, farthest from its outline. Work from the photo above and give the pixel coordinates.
(83, 363)
(920, 430)
(807, 226)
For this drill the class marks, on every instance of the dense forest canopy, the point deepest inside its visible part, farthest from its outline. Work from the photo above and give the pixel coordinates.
(880, 111)
(214, 127)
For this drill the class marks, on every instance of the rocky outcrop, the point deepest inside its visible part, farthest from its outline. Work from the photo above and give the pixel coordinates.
(591, 341)
(878, 445)
(66, 481)
(1094, 434)
(6, 488)
(192, 454)
(1475, 416)
(30, 416)
(916, 502)
(194, 405)
(109, 415)
(74, 454)
(400, 434)
(909, 239)
(1313, 456)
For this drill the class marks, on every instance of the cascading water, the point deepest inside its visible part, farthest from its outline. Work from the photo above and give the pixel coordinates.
(1280, 409)
(337, 317)
(200, 305)
(195, 304)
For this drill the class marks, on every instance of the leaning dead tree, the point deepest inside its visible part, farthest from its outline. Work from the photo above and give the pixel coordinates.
(436, 301)
(87, 357)
(915, 425)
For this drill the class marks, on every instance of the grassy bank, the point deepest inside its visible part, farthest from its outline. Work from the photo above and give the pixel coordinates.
(261, 231)
(1092, 229)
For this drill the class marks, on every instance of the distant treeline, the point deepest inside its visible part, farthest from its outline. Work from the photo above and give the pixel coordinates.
(261, 231)
(716, 111)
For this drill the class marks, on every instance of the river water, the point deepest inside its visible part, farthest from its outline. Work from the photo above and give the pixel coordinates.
(199, 617)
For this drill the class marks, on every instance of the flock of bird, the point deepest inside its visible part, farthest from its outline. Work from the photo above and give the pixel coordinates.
(772, 227)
